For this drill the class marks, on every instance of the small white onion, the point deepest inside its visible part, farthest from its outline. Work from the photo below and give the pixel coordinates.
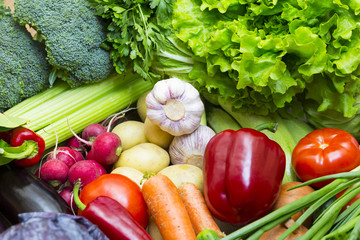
(190, 148)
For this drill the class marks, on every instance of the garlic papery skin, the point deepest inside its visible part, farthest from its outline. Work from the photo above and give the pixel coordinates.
(190, 148)
(175, 106)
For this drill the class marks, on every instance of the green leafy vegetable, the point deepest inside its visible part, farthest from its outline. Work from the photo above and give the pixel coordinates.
(258, 55)
(132, 36)
(24, 70)
(275, 50)
(72, 35)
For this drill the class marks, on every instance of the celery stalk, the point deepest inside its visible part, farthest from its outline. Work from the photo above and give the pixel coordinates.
(81, 106)
(74, 99)
(32, 102)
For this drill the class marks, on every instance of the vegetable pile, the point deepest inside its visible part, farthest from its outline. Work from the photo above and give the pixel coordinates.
(180, 119)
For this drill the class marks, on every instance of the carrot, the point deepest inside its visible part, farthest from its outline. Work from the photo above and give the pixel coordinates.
(197, 209)
(167, 209)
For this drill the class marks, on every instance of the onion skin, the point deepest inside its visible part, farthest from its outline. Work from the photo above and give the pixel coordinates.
(275, 232)
(286, 197)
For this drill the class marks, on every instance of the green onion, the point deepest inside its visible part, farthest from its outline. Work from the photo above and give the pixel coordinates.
(51, 112)
(325, 223)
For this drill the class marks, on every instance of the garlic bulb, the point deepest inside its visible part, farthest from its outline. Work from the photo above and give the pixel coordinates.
(190, 148)
(175, 106)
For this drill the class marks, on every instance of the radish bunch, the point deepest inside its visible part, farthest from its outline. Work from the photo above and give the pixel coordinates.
(86, 158)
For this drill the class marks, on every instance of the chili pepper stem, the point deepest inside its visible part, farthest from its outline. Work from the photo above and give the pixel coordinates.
(271, 126)
(77, 200)
(25, 150)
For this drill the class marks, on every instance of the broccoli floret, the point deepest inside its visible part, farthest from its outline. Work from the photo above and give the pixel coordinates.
(72, 35)
(24, 70)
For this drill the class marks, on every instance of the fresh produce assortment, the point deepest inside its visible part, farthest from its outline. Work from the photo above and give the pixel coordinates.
(179, 119)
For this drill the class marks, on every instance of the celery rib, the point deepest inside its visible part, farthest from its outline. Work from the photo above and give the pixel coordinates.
(80, 106)
(94, 112)
(74, 99)
(34, 101)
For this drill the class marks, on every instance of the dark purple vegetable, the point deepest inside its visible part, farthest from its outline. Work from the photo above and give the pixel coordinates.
(52, 226)
(21, 191)
(4, 223)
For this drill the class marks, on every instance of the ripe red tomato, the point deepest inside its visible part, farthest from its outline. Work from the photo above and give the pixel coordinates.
(323, 152)
(120, 188)
(350, 202)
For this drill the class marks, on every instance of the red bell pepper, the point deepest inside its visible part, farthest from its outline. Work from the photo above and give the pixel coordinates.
(323, 152)
(22, 146)
(243, 172)
(111, 217)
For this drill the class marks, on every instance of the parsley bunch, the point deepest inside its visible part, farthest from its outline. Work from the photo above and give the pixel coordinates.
(135, 31)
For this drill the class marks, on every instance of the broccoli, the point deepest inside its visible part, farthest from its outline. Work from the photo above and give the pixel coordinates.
(72, 35)
(24, 70)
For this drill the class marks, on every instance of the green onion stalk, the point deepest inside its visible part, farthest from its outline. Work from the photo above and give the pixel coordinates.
(332, 223)
(52, 112)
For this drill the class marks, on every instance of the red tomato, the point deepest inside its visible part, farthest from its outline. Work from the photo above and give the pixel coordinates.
(350, 202)
(120, 188)
(323, 152)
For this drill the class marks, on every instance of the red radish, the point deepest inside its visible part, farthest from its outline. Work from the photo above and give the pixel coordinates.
(67, 194)
(86, 170)
(89, 155)
(78, 156)
(64, 154)
(75, 144)
(54, 172)
(91, 131)
(106, 148)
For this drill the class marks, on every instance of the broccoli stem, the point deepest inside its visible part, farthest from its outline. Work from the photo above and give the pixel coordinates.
(78, 107)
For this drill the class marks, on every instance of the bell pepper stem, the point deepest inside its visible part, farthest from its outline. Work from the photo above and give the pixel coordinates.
(271, 126)
(77, 200)
(25, 150)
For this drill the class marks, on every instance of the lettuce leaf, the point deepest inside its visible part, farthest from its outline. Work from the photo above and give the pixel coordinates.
(260, 55)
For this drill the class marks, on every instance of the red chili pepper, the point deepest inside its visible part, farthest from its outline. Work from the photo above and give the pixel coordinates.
(243, 172)
(5, 136)
(323, 152)
(25, 148)
(122, 189)
(111, 217)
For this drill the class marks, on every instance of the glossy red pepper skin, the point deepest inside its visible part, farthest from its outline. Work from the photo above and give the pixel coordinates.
(243, 172)
(114, 220)
(21, 134)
